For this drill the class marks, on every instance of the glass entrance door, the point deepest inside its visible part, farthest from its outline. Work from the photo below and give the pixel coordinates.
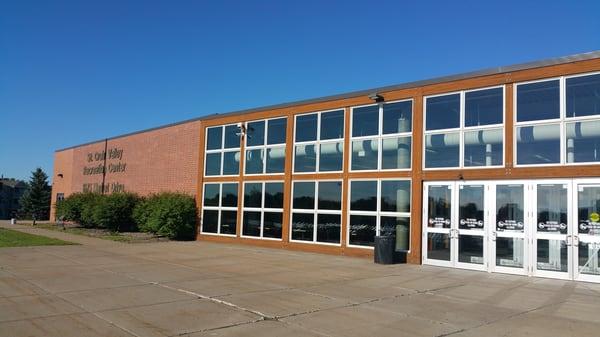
(471, 232)
(438, 226)
(586, 237)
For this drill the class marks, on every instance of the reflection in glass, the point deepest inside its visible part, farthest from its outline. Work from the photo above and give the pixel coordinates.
(363, 195)
(211, 194)
(276, 131)
(229, 195)
(439, 206)
(589, 257)
(272, 225)
(305, 159)
(509, 252)
(328, 228)
(330, 195)
(538, 101)
(538, 144)
(255, 133)
(583, 96)
(397, 117)
(251, 225)
(438, 246)
(588, 201)
(302, 226)
(470, 249)
(483, 147)
(395, 196)
(304, 195)
(306, 128)
(552, 255)
(470, 212)
(395, 153)
(273, 195)
(364, 154)
(231, 163)
(228, 222)
(443, 112)
(398, 226)
(331, 156)
(552, 208)
(275, 160)
(210, 221)
(365, 121)
(583, 142)
(332, 125)
(484, 107)
(254, 161)
(213, 164)
(362, 230)
(253, 195)
(509, 208)
(232, 139)
(214, 138)
(442, 150)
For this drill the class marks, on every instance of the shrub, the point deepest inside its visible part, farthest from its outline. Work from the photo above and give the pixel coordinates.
(169, 214)
(114, 211)
(77, 208)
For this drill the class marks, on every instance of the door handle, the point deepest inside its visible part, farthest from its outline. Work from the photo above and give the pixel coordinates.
(569, 240)
(575, 241)
(493, 236)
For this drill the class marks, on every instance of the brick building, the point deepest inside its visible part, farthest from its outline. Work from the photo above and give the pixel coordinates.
(495, 170)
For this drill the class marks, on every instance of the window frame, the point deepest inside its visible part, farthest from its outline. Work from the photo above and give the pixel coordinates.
(261, 209)
(317, 143)
(462, 130)
(315, 211)
(562, 121)
(221, 151)
(219, 208)
(264, 147)
(378, 213)
(379, 137)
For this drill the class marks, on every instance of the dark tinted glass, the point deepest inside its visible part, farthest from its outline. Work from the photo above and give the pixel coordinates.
(362, 230)
(253, 195)
(331, 156)
(214, 138)
(439, 206)
(306, 127)
(537, 101)
(442, 150)
(471, 207)
(303, 226)
(365, 121)
(276, 131)
(539, 144)
(305, 159)
(273, 195)
(229, 195)
(484, 107)
(510, 208)
(228, 222)
(232, 140)
(552, 212)
(304, 195)
(210, 221)
(254, 161)
(255, 133)
(364, 154)
(231, 163)
(395, 196)
(330, 195)
(443, 112)
(275, 159)
(397, 117)
(328, 228)
(211, 195)
(251, 225)
(213, 164)
(332, 125)
(470, 249)
(398, 226)
(395, 153)
(272, 225)
(583, 96)
(583, 144)
(363, 196)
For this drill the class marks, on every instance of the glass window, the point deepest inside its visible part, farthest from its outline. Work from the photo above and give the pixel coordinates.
(217, 160)
(269, 158)
(583, 96)
(254, 161)
(395, 153)
(273, 195)
(484, 107)
(443, 112)
(211, 194)
(365, 121)
(324, 216)
(331, 156)
(255, 133)
(583, 142)
(330, 195)
(252, 222)
(538, 101)
(272, 225)
(397, 117)
(442, 150)
(231, 163)
(363, 196)
(483, 147)
(304, 195)
(364, 154)
(303, 226)
(210, 221)
(275, 160)
(395, 196)
(213, 164)
(305, 159)
(263, 210)
(306, 128)
(276, 131)
(332, 125)
(229, 195)
(214, 138)
(219, 209)
(328, 228)
(538, 144)
(253, 195)
(232, 137)
(362, 230)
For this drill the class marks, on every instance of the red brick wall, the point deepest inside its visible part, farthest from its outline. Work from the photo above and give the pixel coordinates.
(165, 159)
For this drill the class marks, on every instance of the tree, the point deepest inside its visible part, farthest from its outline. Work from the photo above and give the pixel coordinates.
(36, 201)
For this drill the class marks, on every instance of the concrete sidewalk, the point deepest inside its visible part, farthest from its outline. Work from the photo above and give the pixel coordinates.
(105, 288)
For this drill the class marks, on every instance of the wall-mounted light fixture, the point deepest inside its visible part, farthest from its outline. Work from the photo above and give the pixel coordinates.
(376, 97)
(60, 175)
(241, 130)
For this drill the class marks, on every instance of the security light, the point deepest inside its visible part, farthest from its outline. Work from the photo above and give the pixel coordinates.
(376, 97)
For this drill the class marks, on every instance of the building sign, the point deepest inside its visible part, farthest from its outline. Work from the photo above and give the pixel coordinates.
(102, 163)
(97, 187)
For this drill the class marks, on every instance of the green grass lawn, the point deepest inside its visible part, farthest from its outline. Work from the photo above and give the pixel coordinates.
(11, 238)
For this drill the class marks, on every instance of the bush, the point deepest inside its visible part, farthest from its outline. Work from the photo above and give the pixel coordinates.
(77, 208)
(114, 212)
(169, 214)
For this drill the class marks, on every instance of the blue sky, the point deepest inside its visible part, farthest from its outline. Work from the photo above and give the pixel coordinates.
(77, 71)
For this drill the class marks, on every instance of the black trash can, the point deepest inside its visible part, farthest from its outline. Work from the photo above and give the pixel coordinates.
(385, 249)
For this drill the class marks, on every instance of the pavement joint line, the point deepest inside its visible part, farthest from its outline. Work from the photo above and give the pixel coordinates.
(218, 328)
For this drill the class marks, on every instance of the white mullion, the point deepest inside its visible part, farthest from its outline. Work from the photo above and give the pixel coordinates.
(563, 109)
(378, 220)
(262, 212)
(220, 207)
(315, 210)
(461, 140)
